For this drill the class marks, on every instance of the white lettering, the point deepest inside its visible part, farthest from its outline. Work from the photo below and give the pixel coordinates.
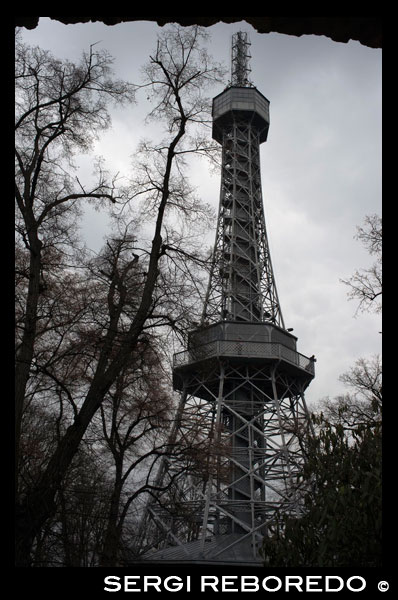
(328, 579)
(291, 583)
(311, 581)
(250, 583)
(204, 583)
(129, 583)
(226, 583)
(114, 581)
(234, 583)
(155, 583)
(272, 589)
(355, 589)
(174, 587)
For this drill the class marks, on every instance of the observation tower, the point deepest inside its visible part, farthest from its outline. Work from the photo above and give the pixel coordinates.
(241, 379)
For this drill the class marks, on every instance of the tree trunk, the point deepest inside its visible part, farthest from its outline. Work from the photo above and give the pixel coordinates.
(110, 551)
(25, 352)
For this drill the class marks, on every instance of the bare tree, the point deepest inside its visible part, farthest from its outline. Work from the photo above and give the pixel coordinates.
(363, 404)
(366, 284)
(60, 109)
(178, 75)
(135, 420)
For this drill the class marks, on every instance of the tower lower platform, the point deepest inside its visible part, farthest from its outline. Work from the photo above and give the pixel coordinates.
(241, 343)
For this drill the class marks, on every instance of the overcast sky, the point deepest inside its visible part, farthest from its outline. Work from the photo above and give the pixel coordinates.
(321, 169)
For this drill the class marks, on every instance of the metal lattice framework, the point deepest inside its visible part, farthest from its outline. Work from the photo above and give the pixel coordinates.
(240, 67)
(242, 284)
(235, 449)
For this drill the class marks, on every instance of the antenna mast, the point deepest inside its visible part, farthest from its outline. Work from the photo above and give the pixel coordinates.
(240, 68)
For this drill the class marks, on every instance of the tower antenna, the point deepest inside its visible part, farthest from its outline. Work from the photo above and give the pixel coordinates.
(240, 69)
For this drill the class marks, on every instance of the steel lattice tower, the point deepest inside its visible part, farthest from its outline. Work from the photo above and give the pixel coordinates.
(241, 378)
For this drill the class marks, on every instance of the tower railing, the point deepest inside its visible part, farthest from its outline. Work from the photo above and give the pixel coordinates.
(239, 348)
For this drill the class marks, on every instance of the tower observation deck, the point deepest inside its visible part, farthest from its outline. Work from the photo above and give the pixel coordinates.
(241, 378)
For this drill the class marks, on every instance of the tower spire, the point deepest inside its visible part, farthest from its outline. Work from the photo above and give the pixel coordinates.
(240, 69)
